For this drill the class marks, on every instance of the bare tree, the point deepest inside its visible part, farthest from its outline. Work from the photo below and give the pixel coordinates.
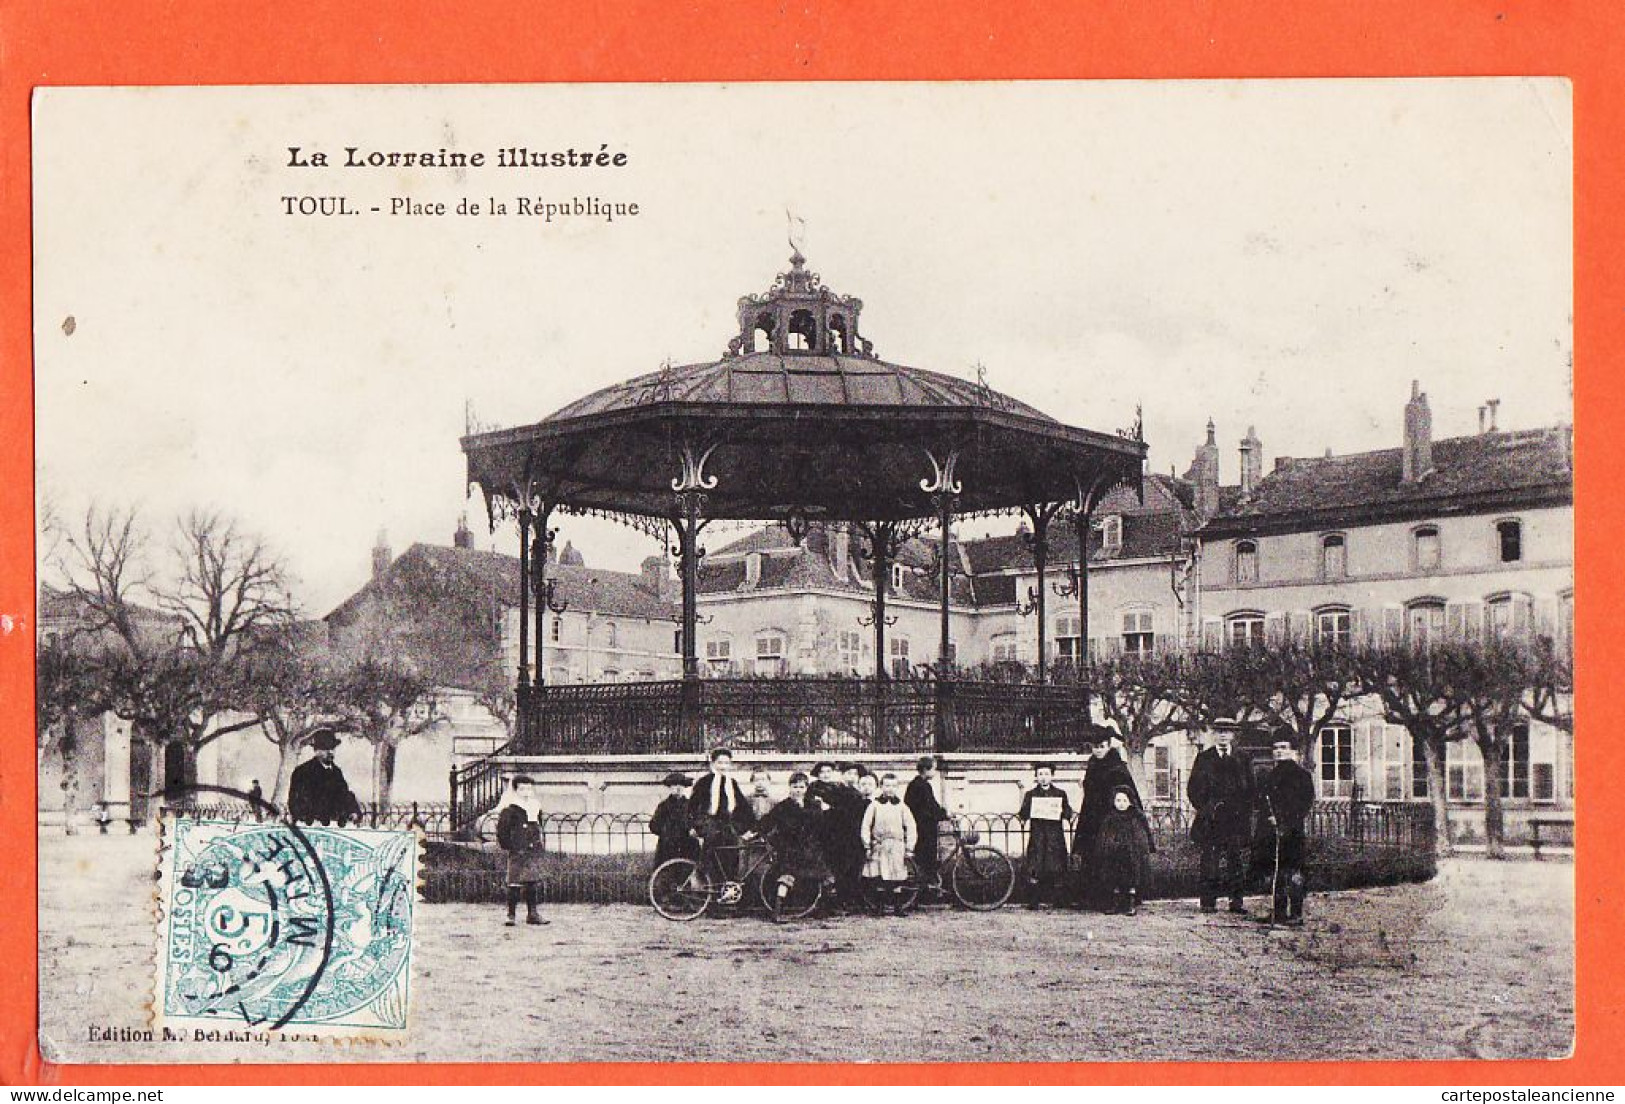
(1412, 681)
(169, 643)
(226, 585)
(1299, 682)
(388, 702)
(292, 685)
(1489, 680)
(1549, 698)
(1143, 696)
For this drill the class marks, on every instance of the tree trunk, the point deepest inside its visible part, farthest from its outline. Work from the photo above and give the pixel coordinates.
(287, 759)
(383, 772)
(1490, 746)
(1433, 754)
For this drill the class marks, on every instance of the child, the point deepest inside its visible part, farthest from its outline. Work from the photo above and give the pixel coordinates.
(1122, 849)
(793, 826)
(761, 802)
(670, 823)
(889, 833)
(1045, 863)
(519, 833)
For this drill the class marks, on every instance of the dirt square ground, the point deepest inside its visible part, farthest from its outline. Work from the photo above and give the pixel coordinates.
(1477, 963)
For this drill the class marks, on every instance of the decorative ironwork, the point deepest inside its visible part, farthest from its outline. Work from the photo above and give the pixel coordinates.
(694, 477)
(550, 598)
(942, 479)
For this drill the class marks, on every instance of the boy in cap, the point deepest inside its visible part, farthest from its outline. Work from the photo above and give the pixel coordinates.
(670, 823)
(519, 833)
(317, 792)
(1285, 797)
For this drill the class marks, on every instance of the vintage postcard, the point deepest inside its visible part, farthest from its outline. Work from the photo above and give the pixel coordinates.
(855, 572)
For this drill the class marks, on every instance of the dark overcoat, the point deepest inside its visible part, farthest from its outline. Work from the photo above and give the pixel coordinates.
(921, 799)
(670, 824)
(1046, 839)
(1123, 846)
(1221, 792)
(521, 838)
(841, 828)
(1101, 779)
(1287, 793)
(795, 829)
(318, 794)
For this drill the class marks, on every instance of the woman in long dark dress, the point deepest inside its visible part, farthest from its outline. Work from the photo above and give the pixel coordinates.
(1106, 772)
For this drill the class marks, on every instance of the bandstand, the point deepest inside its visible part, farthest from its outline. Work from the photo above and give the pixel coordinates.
(799, 423)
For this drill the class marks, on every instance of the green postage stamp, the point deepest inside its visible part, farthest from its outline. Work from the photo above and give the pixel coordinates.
(270, 926)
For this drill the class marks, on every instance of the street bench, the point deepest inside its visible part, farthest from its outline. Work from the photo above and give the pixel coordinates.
(1550, 825)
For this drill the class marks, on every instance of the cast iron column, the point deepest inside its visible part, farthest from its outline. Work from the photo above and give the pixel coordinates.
(880, 566)
(524, 603)
(689, 561)
(543, 541)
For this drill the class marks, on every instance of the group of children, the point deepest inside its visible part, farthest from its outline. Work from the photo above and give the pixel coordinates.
(842, 826)
(848, 830)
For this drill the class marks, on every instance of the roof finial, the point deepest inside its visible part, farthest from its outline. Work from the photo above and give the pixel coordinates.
(796, 231)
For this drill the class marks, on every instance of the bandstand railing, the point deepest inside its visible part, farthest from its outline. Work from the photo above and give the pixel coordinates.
(798, 716)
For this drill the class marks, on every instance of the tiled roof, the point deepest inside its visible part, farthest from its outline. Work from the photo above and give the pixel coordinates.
(1485, 472)
(437, 568)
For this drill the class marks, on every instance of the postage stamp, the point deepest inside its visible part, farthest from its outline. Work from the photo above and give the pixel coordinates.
(279, 927)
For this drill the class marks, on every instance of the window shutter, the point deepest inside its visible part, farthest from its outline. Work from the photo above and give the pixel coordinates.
(1300, 624)
(1362, 758)
(1357, 627)
(1094, 647)
(1455, 620)
(1212, 634)
(1546, 617)
(1523, 615)
(1393, 624)
(1274, 627)
(1473, 612)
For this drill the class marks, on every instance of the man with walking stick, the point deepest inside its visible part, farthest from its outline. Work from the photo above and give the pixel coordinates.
(1286, 795)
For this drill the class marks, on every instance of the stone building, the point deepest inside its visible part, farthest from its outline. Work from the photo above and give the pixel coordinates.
(1465, 537)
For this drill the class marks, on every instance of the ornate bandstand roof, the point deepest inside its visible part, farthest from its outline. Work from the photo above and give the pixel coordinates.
(798, 415)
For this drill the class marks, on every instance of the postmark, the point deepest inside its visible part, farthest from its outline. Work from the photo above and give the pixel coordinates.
(275, 926)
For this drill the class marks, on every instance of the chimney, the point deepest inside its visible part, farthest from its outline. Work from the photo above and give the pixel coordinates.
(753, 571)
(1204, 475)
(1482, 412)
(657, 577)
(1252, 461)
(381, 557)
(840, 551)
(1416, 460)
(1494, 408)
(463, 538)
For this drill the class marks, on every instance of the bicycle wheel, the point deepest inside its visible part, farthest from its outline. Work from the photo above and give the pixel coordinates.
(679, 889)
(983, 878)
(875, 900)
(803, 897)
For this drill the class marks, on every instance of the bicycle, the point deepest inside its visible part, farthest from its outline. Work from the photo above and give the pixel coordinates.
(980, 876)
(683, 889)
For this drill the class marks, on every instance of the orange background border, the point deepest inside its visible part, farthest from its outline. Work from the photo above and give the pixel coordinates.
(80, 42)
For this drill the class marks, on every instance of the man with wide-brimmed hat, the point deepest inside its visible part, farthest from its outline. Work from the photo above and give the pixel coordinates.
(318, 793)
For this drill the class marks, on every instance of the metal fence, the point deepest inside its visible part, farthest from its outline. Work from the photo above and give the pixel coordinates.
(606, 857)
(433, 818)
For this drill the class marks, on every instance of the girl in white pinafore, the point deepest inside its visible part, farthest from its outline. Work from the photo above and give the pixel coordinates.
(889, 833)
